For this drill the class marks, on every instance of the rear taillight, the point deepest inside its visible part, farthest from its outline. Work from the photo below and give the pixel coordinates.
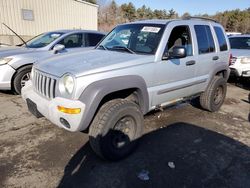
(232, 60)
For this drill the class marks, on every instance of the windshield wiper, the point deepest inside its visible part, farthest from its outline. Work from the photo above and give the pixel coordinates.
(103, 47)
(124, 48)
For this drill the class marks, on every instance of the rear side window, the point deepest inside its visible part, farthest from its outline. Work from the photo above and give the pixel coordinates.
(221, 38)
(204, 39)
(93, 39)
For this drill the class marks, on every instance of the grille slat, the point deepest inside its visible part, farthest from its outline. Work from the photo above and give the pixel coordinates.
(41, 83)
(44, 84)
(38, 84)
(52, 88)
(35, 80)
(47, 87)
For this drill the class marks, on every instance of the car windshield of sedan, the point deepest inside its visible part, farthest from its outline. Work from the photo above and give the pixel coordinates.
(240, 43)
(43, 40)
(134, 38)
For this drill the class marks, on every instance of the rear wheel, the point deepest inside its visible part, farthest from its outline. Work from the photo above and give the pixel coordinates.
(115, 129)
(21, 77)
(213, 98)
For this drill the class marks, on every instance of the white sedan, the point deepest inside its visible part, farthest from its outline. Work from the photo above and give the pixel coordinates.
(240, 61)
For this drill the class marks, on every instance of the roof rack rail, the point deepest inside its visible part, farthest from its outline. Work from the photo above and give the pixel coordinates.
(199, 18)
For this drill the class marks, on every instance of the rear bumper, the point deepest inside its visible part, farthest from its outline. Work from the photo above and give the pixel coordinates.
(6, 74)
(48, 108)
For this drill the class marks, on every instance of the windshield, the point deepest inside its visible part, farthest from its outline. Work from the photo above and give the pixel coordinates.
(240, 43)
(134, 38)
(43, 40)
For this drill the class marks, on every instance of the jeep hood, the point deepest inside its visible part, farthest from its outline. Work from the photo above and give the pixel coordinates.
(10, 51)
(90, 62)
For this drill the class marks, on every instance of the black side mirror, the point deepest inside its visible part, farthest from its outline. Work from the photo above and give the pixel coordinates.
(176, 53)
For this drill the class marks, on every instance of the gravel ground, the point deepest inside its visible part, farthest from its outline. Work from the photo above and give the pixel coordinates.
(183, 146)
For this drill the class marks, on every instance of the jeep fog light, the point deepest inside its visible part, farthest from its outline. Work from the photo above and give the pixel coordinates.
(69, 110)
(68, 82)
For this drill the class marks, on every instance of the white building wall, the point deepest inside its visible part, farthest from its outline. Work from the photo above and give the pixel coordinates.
(48, 15)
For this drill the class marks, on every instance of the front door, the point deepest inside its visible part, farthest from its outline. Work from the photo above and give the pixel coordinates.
(73, 42)
(175, 77)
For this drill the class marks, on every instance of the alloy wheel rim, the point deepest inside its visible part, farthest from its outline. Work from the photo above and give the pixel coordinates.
(25, 78)
(124, 131)
(218, 95)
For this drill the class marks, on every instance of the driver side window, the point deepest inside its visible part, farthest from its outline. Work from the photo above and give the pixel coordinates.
(72, 41)
(180, 36)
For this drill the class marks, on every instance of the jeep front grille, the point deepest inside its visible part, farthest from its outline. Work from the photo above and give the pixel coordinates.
(44, 84)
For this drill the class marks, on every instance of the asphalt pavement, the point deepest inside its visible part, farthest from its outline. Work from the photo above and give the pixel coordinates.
(183, 146)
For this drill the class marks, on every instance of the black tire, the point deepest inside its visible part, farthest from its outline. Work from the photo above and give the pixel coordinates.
(20, 75)
(110, 135)
(213, 98)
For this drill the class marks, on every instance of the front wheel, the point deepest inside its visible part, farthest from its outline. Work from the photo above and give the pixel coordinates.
(115, 129)
(20, 79)
(213, 98)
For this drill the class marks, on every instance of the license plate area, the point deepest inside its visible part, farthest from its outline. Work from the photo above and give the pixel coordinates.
(33, 108)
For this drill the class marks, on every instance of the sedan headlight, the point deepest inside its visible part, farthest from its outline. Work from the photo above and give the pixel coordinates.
(5, 60)
(245, 60)
(67, 85)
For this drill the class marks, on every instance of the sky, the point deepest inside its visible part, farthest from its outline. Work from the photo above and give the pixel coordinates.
(191, 6)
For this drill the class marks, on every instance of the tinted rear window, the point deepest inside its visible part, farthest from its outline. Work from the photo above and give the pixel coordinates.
(240, 43)
(204, 39)
(221, 38)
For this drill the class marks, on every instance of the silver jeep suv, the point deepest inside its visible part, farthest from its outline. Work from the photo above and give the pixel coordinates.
(136, 68)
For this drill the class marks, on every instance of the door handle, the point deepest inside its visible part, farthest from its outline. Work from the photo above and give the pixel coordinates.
(189, 63)
(215, 58)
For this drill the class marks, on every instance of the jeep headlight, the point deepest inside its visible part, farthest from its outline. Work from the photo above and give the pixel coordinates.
(5, 60)
(67, 84)
(245, 60)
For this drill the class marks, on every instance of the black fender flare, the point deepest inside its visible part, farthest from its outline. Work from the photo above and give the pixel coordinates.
(95, 92)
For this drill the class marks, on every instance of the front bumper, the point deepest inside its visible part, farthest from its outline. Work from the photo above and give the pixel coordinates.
(48, 108)
(6, 74)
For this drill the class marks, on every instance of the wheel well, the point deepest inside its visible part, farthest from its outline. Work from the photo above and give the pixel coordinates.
(132, 94)
(222, 73)
(14, 75)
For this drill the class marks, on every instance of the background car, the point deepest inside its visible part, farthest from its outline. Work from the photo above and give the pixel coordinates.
(233, 33)
(16, 62)
(240, 61)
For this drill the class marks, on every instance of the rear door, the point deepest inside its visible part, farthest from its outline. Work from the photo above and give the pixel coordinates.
(207, 53)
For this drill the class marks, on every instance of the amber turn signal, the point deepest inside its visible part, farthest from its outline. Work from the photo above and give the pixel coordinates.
(69, 110)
